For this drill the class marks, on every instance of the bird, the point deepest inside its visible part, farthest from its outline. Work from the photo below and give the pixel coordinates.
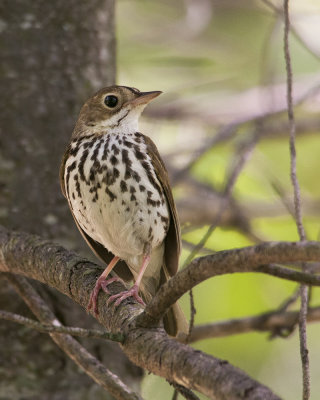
(119, 194)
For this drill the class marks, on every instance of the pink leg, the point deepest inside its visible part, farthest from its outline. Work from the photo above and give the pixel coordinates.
(101, 283)
(134, 291)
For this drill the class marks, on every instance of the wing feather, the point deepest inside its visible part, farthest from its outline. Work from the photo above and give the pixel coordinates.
(173, 238)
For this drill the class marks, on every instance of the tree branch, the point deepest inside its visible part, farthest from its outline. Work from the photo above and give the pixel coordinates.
(304, 290)
(273, 321)
(86, 361)
(247, 259)
(69, 330)
(149, 348)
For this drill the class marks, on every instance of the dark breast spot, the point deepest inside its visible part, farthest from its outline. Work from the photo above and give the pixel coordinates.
(115, 149)
(128, 144)
(96, 150)
(138, 153)
(105, 149)
(116, 173)
(72, 166)
(123, 187)
(114, 160)
(111, 195)
(81, 165)
(135, 176)
(76, 179)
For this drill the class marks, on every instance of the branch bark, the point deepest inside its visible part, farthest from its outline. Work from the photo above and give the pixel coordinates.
(149, 348)
(247, 259)
(97, 371)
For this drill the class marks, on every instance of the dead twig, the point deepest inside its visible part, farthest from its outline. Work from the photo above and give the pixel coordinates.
(69, 330)
(277, 322)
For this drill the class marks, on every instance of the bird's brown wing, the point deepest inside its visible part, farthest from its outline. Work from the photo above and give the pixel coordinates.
(98, 249)
(173, 238)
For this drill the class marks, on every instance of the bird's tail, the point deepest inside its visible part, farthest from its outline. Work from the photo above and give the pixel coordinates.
(174, 321)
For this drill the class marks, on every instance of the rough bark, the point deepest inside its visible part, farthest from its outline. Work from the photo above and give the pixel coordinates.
(53, 56)
(149, 348)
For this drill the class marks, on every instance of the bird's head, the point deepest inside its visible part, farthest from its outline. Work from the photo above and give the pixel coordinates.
(114, 109)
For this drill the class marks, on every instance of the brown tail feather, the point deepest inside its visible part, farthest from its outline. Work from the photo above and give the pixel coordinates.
(175, 321)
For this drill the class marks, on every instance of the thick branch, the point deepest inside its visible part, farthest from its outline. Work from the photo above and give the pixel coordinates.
(247, 259)
(149, 348)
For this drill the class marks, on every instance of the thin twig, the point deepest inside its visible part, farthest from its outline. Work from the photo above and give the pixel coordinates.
(192, 314)
(243, 156)
(225, 133)
(279, 12)
(97, 371)
(304, 291)
(277, 322)
(291, 300)
(186, 393)
(175, 395)
(73, 331)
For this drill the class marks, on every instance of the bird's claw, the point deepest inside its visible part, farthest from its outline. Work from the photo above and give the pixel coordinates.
(133, 292)
(100, 284)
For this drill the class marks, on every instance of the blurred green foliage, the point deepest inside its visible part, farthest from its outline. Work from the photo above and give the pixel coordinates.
(240, 47)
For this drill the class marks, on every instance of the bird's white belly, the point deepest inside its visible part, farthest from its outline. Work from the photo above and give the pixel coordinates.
(123, 211)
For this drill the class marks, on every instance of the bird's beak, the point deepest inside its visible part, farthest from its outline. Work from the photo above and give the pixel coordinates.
(144, 98)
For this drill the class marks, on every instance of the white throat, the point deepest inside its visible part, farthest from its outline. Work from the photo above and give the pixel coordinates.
(124, 122)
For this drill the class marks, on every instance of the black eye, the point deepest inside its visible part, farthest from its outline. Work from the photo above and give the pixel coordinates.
(111, 101)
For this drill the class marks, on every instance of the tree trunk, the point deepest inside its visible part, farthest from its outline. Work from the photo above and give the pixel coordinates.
(54, 55)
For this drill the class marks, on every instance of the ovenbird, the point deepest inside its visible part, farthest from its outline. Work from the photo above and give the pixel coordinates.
(119, 194)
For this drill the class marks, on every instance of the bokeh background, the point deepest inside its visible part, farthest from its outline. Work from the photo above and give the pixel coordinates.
(222, 62)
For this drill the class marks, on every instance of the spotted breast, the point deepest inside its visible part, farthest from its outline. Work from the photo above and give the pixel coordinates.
(115, 195)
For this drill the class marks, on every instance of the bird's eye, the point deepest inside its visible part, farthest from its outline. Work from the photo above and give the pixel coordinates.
(111, 101)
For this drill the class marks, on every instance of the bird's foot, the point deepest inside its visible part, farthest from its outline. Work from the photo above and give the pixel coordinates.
(133, 292)
(104, 284)
(100, 284)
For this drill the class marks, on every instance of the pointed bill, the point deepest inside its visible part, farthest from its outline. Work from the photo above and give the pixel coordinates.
(144, 98)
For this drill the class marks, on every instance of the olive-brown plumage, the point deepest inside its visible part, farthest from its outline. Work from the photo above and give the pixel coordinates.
(119, 194)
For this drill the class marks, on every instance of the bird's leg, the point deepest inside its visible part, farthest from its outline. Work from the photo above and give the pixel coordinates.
(102, 283)
(134, 290)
